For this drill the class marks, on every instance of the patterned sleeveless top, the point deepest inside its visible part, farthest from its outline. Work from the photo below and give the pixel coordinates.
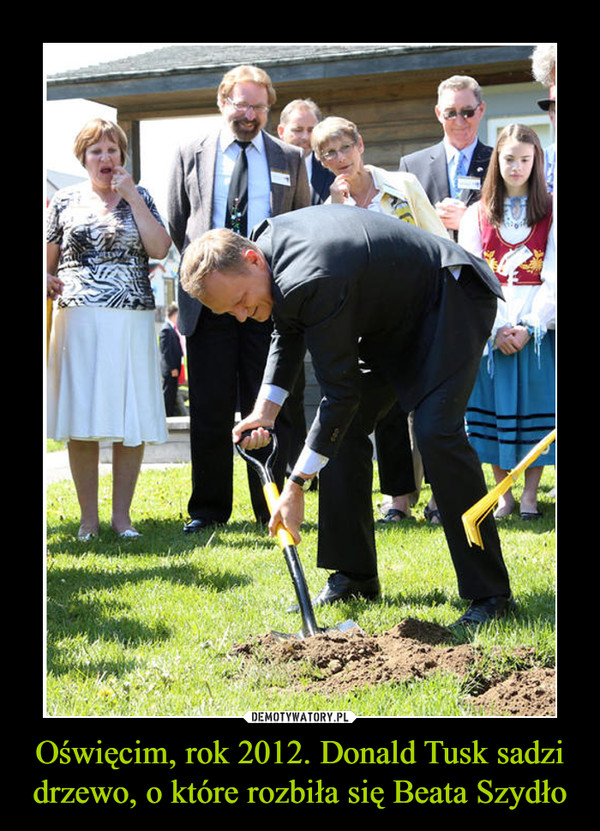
(102, 259)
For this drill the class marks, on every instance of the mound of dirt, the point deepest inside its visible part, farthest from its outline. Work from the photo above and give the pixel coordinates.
(523, 693)
(336, 662)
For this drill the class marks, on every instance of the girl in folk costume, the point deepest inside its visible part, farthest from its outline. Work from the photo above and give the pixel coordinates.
(512, 405)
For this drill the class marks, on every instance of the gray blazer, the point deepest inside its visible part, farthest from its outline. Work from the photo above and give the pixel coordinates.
(429, 166)
(190, 198)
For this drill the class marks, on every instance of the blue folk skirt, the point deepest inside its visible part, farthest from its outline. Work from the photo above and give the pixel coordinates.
(513, 404)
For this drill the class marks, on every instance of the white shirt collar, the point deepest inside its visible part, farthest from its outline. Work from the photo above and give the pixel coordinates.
(453, 152)
(308, 161)
(378, 188)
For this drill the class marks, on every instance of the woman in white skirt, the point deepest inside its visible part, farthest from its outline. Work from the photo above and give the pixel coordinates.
(103, 373)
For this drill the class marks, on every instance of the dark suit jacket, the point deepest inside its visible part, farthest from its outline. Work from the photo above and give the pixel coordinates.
(353, 285)
(320, 181)
(190, 198)
(429, 166)
(170, 350)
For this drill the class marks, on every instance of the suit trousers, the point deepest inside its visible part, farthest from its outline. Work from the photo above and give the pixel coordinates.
(395, 454)
(346, 539)
(346, 525)
(225, 361)
(170, 387)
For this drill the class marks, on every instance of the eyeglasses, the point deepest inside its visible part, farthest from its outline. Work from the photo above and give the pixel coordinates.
(468, 112)
(243, 106)
(331, 154)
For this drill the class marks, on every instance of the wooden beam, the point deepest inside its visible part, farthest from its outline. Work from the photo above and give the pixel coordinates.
(132, 131)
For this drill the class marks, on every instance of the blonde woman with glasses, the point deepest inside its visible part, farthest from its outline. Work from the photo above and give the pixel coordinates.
(340, 148)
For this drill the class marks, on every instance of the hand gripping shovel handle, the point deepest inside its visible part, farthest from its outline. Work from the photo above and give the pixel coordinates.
(270, 489)
(285, 539)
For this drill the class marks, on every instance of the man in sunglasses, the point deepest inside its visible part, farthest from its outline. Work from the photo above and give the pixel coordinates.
(452, 171)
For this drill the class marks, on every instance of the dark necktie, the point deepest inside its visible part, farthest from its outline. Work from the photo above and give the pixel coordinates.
(237, 199)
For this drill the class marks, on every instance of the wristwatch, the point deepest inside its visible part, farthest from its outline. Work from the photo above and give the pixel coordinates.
(299, 480)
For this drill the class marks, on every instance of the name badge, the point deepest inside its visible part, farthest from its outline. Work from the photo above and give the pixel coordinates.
(469, 183)
(279, 177)
(513, 259)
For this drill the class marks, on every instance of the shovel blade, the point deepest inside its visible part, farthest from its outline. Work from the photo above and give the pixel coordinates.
(348, 626)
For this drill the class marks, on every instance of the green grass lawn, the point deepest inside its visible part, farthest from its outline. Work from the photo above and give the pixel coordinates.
(145, 627)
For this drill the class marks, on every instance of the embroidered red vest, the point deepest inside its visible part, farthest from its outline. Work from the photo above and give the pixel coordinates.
(494, 248)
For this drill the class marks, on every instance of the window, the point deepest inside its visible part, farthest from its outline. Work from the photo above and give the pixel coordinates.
(540, 123)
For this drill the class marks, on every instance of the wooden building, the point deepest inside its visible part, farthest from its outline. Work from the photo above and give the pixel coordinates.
(388, 90)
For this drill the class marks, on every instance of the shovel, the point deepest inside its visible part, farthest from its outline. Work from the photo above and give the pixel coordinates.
(286, 542)
(473, 518)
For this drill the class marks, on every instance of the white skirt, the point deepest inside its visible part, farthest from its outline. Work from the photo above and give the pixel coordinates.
(104, 377)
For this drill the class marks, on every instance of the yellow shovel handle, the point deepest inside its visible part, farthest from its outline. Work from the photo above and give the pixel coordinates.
(271, 493)
(536, 451)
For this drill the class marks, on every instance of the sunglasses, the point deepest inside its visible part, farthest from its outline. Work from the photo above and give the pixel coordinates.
(468, 112)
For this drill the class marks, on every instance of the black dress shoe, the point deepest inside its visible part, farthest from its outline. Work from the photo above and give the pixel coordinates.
(489, 608)
(196, 525)
(340, 587)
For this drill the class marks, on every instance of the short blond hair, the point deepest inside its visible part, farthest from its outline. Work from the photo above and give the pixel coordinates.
(242, 74)
(217, 250)
(299, 104)
(330, 128)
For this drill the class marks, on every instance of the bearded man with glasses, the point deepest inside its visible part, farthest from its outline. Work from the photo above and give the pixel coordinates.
(452, 171)
(225, 361)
